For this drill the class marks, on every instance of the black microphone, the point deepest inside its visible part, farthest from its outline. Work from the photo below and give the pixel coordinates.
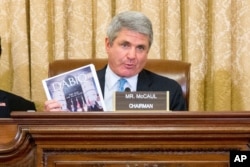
(127, 89)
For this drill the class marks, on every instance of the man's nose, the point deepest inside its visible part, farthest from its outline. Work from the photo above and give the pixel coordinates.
(132, 53)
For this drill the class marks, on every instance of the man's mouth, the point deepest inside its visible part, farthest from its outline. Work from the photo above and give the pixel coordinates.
(129, 65)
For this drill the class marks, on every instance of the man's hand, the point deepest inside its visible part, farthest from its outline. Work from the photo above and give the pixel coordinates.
(52, 105)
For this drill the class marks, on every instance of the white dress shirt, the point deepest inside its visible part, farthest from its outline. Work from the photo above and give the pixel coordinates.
(111, 86)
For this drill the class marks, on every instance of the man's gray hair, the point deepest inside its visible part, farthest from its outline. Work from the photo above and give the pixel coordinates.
(131, 20)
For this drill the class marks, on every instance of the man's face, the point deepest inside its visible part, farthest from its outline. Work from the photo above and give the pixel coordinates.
(128, 53)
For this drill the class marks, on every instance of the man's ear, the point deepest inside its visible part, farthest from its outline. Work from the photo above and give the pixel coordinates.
(107, 44)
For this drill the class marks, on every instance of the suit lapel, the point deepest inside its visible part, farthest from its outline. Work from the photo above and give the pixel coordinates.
(101, 77)
(143, 82)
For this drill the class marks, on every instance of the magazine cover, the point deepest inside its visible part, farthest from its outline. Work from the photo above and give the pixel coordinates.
(77, 90)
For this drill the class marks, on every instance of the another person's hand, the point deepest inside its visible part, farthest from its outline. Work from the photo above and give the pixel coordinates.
(52, 105)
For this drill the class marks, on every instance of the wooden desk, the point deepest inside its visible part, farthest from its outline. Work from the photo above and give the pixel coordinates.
(8, 130)
(158, 139)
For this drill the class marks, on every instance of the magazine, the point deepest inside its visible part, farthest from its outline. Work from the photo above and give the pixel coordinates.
(77, 90)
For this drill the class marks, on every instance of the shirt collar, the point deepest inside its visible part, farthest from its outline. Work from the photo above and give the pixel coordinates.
(111, 79)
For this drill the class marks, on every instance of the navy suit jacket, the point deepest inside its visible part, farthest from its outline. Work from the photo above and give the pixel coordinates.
(149, 81)
(11, 102)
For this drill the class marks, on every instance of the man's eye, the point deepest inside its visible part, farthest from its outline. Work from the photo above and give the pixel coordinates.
(141, 48)
(125, 45)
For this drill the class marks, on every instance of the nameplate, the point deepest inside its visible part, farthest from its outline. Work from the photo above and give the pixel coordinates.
(141, 100)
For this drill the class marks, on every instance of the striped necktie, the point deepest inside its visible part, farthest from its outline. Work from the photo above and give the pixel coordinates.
(121, 83)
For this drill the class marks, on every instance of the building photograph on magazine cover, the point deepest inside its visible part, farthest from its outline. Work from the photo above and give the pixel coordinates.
(77, 90)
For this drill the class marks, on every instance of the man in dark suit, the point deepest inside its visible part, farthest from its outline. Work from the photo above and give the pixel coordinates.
(10, 102)
(128, 41)
(149, 81)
